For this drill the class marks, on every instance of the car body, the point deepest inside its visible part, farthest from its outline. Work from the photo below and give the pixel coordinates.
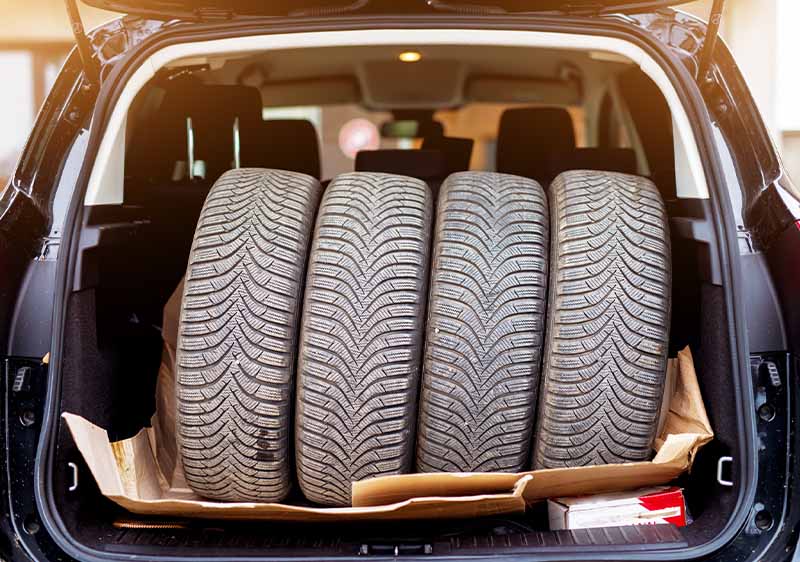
(752, 246)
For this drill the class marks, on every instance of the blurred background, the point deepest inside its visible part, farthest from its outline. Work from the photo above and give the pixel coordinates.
(35, 37)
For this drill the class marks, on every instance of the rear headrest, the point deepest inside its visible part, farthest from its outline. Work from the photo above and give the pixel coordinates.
(528, 136)
(457, 151)
(285, 144)
(601, 159)
(162, 140)
(427, 165)
(214, 129)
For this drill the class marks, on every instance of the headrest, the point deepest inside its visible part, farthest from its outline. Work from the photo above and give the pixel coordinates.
(528, 135)
(457, 151)
(285, 144)
(601, 159)
(426, 165)
(213, 131)
(162, 140)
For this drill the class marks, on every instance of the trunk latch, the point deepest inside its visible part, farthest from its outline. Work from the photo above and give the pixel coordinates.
(209, 14)
(395, 550)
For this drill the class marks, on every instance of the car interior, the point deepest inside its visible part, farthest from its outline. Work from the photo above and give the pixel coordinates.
(327, 111)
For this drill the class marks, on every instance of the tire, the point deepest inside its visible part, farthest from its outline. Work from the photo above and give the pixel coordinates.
(361, 336)
(238, 334)
(485, 327)
(608, 321)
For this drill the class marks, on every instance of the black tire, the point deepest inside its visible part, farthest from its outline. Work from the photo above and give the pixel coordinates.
(361, 335)
(238, 334)
(485, 327)
(608, 321)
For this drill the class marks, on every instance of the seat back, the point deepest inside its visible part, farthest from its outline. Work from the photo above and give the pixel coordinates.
(457, 151)
(194, 122)
(621, 160)
(527, 138)
(286, 144)
(428, 165)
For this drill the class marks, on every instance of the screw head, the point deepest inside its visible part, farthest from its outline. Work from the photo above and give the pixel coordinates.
(763, 520)
(30, 525)
(28, 418)
(766, 412)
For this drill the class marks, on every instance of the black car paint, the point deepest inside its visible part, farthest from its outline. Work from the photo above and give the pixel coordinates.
(203, 10)
(27, 215)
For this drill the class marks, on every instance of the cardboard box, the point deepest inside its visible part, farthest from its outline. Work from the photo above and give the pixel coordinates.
(143, 473)
(647, 506)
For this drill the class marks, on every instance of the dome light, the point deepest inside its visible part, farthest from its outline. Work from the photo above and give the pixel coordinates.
(410, 56)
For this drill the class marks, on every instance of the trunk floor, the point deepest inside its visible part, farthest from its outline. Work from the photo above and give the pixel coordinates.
(446, 538)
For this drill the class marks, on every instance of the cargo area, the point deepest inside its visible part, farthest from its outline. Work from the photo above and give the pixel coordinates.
(312, 110)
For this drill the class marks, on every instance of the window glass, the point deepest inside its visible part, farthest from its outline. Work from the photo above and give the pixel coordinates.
(478, 121)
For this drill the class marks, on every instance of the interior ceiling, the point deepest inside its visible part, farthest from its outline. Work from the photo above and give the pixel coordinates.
(378, 80)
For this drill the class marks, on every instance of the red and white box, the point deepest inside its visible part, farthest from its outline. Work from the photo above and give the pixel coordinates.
(646, 506)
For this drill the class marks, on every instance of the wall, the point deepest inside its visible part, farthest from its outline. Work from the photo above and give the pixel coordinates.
(749, 28)
(763, 36)
(788, 84)
(43, 21)
(35, 37)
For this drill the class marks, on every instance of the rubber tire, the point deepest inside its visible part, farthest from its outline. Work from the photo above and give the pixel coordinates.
(485, 326)
(608, 321)
(238, 334)
(361, 336)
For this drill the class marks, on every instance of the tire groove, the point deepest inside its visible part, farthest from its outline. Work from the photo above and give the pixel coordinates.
(365, 292)
(485, 323)
(605, 354)
(235, 356)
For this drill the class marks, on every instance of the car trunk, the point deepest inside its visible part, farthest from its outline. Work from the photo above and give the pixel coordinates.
(111, 356)
(110, 375)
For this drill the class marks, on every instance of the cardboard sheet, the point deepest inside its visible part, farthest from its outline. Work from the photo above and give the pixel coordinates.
(686, 429)
(143, 473)
(128, 474)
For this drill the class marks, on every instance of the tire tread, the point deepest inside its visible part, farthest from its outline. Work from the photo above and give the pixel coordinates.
(238, 334)
(608, 321)
(361, 335)
(485, 325)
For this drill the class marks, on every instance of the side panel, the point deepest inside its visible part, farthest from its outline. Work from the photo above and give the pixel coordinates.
(32, 211)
